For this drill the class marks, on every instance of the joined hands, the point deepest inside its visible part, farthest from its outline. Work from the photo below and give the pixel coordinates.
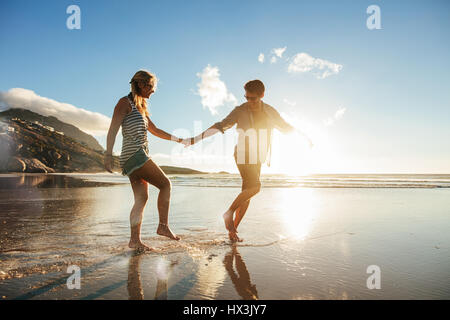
(188, 142)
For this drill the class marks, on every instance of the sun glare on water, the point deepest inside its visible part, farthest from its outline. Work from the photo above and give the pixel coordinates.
(299, 211)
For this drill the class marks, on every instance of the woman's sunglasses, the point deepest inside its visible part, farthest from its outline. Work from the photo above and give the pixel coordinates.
(149, 86)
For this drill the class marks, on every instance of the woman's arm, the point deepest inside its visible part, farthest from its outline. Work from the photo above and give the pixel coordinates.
(120, 111)
(161, 133)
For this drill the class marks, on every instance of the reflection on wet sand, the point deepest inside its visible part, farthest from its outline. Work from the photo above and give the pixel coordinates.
(134, 285)
(21, 181)
(135, 291)
(241, 279)
(48, 222)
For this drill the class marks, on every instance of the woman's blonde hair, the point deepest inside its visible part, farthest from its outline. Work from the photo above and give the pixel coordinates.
(142, 76)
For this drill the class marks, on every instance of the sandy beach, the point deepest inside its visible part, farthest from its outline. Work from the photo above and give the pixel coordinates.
(300, 242)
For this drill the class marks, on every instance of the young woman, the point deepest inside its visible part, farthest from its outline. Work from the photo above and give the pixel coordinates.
(131, 113)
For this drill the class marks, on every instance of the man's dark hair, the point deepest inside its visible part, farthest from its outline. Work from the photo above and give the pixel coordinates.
(255, 86)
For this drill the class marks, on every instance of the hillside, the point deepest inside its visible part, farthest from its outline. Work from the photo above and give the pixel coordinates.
(68, 129)
(27, 146)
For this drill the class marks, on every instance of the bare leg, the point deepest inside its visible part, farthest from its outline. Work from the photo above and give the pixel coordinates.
(140, 190)
(241, 199)
(240, 212)
(153, 174)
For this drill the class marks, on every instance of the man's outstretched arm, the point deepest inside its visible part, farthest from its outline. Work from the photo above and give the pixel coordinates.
(285, 127)
(280, 123)
(205, 134)
(221, 126)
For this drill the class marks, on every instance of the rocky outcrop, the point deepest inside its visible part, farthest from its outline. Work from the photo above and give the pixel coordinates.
(19, 164)
(25, 147)
(53, 122)
(13, 164)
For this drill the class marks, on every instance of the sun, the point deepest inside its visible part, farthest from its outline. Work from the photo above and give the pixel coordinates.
(292, 155)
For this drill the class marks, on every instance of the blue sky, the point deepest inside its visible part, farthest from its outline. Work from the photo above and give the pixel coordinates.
(392, 88)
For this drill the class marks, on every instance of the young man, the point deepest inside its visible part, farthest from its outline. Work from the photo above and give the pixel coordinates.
(255, 121)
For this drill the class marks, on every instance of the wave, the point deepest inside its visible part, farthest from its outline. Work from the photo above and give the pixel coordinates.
(279, 181)
(234, 180)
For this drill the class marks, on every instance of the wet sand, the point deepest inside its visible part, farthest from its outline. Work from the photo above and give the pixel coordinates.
(299, 242)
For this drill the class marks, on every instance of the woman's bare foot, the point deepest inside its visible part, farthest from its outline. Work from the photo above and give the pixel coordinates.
(228, 219)
(234, 237)
(164, 230)
(139, 246)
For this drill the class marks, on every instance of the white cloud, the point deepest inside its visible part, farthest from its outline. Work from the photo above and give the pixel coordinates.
(261, 57)
(279, 51)
(213, 91)
(290, 103)
(303, 62)
(91, 122)
(337, 115)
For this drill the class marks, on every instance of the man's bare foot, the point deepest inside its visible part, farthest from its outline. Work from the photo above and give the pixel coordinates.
(228, 219)
(234, 237)
(139, 246)
(164, 230)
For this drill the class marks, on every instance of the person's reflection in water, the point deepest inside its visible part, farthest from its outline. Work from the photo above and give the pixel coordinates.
(135, 290)
(241, 280)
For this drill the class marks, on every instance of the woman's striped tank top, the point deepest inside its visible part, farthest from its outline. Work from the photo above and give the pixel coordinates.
(134, 133)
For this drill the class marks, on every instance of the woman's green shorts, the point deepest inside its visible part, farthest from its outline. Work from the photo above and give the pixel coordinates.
(137, 160)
